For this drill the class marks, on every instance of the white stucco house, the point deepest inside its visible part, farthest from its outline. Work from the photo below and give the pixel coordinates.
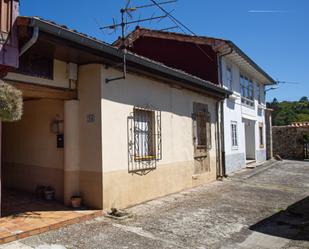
(243, 135)
(244, 112)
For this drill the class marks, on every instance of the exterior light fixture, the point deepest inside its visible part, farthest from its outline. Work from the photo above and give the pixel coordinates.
(57, 126)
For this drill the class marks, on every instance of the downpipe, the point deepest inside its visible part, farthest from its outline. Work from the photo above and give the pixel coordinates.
(31, 42)
(222, 166)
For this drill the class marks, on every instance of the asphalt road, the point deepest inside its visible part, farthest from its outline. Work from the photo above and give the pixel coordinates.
(267, 207)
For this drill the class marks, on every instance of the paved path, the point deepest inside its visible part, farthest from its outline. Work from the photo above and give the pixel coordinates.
(267, 207)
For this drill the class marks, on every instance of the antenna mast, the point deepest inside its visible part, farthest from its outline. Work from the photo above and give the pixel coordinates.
(127, 10)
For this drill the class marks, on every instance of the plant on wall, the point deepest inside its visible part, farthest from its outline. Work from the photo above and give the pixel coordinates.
(11, 103)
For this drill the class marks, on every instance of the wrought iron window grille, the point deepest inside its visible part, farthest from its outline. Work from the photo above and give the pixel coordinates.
(144, 140)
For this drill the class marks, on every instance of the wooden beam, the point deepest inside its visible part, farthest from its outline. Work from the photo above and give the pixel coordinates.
(35, 91)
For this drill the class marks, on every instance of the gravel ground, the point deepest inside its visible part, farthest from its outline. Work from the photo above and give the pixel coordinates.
(267, 207)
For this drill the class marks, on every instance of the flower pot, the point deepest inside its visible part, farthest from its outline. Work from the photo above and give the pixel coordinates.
(49, 195)
(76, 202)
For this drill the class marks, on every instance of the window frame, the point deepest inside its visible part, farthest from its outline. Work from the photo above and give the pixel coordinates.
(144, 130)
(234, 135)
(260, 93)
(30, 65)
(200, 112)
(247, 90)
(229, 80)
(137, 126)
(261, 135)
(6, 15)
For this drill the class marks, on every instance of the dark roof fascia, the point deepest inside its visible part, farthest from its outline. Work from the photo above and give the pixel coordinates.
(145, 63)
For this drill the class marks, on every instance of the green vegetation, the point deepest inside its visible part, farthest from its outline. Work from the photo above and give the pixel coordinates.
(286, 112)
(11, 103)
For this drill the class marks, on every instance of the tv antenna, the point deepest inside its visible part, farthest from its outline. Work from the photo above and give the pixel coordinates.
(126, 13)
(280, 82)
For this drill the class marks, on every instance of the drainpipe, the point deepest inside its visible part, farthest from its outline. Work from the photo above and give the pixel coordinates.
(31, 42)
(222, 170)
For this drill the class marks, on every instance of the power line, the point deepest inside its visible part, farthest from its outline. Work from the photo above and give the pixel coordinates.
(181, 26)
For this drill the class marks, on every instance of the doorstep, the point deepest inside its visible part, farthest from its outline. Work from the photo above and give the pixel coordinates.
(26, 224)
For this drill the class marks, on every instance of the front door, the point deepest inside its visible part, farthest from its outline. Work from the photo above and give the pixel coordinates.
(201, 138)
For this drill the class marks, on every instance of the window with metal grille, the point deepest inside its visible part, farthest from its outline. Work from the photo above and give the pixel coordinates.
(144, 140)
(234, 135)
(36, 65)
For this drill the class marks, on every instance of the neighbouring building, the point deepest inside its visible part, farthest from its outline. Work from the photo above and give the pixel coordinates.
(115, 143)
(222, 62)
(291, 141)
(9, 10)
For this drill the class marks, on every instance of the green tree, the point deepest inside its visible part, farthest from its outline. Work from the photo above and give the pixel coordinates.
(287, 112)
(304, 99)
(284, 117)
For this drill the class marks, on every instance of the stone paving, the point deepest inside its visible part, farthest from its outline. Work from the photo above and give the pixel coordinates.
(261, 208)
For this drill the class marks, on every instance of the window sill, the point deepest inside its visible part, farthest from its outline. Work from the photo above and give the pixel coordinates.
(235, 148)
(262, 106)
(234, 96)
(145, 158)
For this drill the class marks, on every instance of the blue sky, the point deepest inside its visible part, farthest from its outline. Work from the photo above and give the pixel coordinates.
(278, 41)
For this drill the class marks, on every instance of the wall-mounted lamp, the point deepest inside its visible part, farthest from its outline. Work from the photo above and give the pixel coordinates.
(57, 126)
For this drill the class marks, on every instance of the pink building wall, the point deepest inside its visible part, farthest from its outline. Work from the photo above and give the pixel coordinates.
(9, 47)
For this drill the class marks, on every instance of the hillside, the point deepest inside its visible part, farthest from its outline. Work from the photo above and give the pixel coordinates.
(286, 112)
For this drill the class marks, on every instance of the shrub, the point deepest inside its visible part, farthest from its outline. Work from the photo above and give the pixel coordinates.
(11, 103)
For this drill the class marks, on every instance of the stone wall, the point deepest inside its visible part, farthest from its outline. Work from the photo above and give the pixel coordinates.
(288, 141)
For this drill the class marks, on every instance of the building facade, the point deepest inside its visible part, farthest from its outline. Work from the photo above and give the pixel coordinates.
(115, 143)
(243, 131)
(244, 117)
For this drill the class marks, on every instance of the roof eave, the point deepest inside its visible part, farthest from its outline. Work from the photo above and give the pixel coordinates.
(270, 80)
(105, 48)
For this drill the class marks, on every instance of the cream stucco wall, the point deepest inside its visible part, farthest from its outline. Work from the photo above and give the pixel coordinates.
(90, 138)
(175, 171)
(30, 154)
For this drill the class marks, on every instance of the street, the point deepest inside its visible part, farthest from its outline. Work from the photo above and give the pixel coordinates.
(265, 207)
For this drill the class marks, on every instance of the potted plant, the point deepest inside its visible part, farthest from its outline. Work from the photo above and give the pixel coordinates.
(49, 193)
(76, 201)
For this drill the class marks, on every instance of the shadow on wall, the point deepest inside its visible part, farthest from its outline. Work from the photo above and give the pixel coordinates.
(144, 92)
(292, 223)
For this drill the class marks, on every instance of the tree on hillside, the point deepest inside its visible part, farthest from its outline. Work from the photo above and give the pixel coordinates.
(304, 99)
(287, 112)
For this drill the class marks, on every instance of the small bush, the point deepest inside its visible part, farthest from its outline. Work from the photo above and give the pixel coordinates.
(11, 103)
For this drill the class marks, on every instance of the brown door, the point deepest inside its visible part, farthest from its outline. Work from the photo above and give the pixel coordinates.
(201, 138)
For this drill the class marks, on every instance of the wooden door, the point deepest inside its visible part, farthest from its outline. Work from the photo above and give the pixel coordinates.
(201, 138)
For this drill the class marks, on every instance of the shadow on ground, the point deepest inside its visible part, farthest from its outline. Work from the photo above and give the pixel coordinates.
(18, 203)
(292, 223)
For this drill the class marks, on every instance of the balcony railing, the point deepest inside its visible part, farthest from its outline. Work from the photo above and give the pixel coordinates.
(248, 102)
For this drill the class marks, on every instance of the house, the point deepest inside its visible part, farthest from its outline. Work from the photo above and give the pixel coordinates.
(223, 63)
(8, 45)
(8, 42)
(117, 143)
